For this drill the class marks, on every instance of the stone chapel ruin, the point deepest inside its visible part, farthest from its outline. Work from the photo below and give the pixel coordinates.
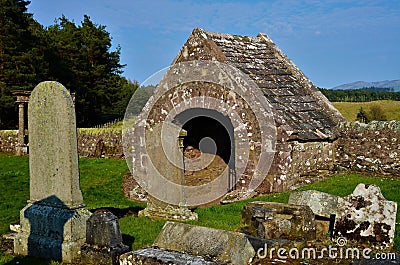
(303, 118)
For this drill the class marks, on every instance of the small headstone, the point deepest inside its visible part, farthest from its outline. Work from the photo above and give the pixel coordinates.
(367, 217)
(103, 239)
(218, 245)
(321, 203)
(271, 220)
(53, 224)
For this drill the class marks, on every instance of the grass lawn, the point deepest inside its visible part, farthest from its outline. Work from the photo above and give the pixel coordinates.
(101, 181)
(350, 109)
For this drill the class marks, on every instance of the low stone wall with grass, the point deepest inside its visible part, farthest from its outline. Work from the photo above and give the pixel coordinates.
(100, 142)
(373, 147)
(8, 141)
(92, 142)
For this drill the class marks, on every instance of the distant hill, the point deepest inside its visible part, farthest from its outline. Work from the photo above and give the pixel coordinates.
(395, 84)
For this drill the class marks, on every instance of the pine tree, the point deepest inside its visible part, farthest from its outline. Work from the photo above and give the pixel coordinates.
(84, 63)
(20, 56)
(362, 116)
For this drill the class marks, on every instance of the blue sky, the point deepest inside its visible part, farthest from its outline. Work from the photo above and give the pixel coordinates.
(332, 42)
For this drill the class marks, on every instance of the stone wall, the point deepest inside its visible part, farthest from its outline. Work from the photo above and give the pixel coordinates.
(298, 163)
(373, 147)
(102, 142)
(8, 141)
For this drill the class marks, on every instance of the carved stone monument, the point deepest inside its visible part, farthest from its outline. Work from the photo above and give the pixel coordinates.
(53, 224)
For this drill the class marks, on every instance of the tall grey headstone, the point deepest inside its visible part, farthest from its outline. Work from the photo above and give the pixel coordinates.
(53, 224)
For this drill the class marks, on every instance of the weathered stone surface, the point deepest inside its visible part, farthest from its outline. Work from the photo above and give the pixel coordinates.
(156, 256)
(366, 216)
(321, 203)
(369, 147)
(53, 148)
(53, 224)
(217, 245)
(103, 229)
(164, 169)
(103, 240)
(322, 227)
(51, 232)
(271, 220)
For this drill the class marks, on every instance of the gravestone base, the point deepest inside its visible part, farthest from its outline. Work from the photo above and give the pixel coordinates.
(51, 232)
(157, 209)
(102, 255)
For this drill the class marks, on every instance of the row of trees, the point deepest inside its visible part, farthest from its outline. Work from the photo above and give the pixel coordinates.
(78, 56)
(360, 95)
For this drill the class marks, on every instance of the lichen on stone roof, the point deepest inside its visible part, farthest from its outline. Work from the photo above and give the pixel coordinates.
(296, 101)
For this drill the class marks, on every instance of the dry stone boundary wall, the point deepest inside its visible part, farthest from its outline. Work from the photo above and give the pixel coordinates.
(91, 142)
(373, 147)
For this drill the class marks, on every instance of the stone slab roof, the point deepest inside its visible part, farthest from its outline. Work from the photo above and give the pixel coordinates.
(297, 103)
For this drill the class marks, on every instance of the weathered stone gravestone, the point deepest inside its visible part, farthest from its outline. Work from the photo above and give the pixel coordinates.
(103, 239)
(161, 176)
(53, 224)
(367, 217)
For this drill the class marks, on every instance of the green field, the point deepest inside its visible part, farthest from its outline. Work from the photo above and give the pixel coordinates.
(101, 181)
(349, 110)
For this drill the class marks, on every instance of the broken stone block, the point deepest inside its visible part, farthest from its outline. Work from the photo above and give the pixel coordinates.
(103, 239)
(321, 203)
(367, 217)
(271, 220)
(217, 245)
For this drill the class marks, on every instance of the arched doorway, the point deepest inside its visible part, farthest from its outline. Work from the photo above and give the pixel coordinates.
(210, 132)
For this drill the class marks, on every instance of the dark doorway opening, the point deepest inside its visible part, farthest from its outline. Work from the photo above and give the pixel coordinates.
(210, 132)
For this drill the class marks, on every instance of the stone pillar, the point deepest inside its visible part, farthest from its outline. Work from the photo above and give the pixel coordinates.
(22, 98)
(53, 224)
(21, 123)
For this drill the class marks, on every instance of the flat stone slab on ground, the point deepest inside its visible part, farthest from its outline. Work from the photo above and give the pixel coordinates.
(321, 203)
(156, 256)
(217, 245)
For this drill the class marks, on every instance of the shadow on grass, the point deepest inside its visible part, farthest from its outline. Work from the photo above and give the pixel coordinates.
(118, 212)
(30, 261)
(128, 240)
